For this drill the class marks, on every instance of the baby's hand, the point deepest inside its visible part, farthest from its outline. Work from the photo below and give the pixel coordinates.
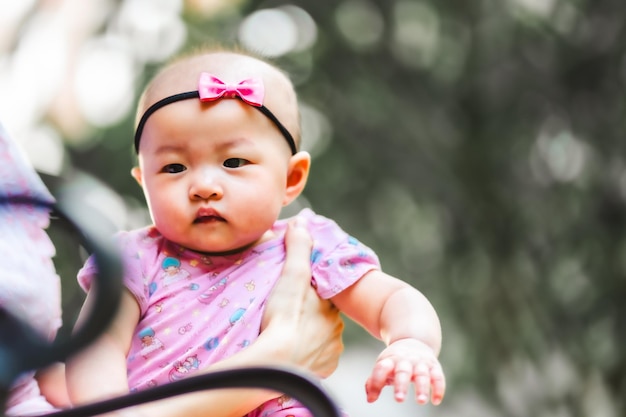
(405, 361)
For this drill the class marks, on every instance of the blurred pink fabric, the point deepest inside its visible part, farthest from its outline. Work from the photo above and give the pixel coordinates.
(29, 285)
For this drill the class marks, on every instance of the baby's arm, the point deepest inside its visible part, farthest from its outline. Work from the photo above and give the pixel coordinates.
(403, 318)
(52, 385)
(99, 371)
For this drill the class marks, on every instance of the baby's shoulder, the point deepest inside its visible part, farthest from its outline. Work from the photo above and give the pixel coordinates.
(143, 239)
(324, 231)
(322, 227)
(311, 219)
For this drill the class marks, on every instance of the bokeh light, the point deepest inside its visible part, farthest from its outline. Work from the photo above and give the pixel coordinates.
(316, 130)
(270, 32)
(361, 23)
(558, 156)
(154, 29)
(104, 81)
(415, 33)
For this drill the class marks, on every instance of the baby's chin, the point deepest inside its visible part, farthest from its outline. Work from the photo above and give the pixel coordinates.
(224, 251)
(216, 249)
(227, 250)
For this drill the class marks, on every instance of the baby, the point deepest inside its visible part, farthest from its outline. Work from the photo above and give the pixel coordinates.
(217, 143)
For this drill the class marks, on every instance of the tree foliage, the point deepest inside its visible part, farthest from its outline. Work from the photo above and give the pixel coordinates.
(476, 146)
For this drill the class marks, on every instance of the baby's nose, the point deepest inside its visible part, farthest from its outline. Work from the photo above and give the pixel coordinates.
(206, 185)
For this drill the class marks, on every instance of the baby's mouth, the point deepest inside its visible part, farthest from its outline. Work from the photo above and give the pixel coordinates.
(208, 216)
(208, 219)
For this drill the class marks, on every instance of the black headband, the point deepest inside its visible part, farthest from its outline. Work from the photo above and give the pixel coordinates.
(195, 94)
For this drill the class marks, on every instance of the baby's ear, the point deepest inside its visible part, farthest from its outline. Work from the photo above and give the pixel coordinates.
(136, 173)
(299, 165)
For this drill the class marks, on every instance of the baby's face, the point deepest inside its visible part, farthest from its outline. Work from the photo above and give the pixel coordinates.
(214, 174)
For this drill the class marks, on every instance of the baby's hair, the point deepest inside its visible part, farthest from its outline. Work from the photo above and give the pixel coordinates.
(216, 47)
(211, 48)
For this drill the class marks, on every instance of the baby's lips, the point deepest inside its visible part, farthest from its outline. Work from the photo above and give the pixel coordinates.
(207, 214)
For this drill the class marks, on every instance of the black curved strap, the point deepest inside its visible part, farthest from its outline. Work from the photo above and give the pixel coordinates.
(24, 349)
(299, 386)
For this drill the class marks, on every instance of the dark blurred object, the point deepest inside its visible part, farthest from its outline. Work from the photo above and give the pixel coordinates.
(300, 386)
(22, 349)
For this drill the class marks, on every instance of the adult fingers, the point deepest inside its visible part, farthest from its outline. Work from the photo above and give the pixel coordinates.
(289, 292)
(296, 272)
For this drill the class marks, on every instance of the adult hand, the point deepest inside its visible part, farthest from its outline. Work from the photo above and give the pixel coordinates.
(308, 328)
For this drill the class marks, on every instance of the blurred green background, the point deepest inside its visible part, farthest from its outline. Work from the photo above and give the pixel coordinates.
(477, 146)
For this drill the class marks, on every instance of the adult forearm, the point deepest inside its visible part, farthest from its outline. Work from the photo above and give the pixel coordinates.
(91, 376)
(274, 347)
(222, 402)
(213, 403)
(88, 381)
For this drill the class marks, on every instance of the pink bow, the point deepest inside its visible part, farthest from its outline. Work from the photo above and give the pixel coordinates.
(211, 88)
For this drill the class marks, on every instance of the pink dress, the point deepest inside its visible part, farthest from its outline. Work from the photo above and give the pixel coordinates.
(29, 285)
(198, 309)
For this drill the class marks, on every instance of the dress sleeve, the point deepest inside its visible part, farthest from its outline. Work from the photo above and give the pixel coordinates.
(133, 270)
(338, 260)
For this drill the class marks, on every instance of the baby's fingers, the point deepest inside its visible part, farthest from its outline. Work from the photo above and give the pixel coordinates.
(422, 383)
(387, 372)
(380, 377)
(438, 384)
(429, 380)
(403, 375)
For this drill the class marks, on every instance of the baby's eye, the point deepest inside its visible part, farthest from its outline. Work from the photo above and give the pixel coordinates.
(173, 168)
(235, 162)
